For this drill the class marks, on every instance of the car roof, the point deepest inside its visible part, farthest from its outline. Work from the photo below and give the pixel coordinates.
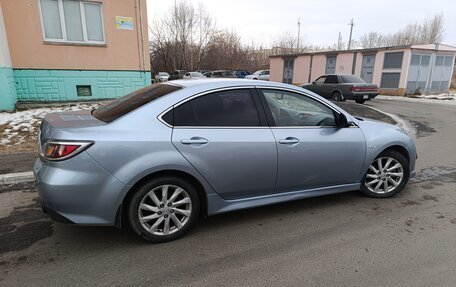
(226, 82)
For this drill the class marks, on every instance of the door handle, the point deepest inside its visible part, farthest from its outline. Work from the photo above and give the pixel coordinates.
(195, 141)
(289, 140)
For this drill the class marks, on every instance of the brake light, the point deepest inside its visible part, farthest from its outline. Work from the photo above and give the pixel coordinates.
(59, 150)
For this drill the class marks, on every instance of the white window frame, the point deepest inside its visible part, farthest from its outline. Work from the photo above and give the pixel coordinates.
(64, 39)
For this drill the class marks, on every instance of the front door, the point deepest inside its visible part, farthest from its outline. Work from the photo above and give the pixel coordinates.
(222, 136)
(312, 151)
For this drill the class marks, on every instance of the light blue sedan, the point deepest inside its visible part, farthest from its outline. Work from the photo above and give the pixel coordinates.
(162, 156)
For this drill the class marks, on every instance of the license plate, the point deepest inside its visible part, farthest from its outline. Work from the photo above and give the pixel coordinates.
(366, 97)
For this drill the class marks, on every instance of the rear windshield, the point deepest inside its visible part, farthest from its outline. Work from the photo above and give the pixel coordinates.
(352, 79)
(132, 101)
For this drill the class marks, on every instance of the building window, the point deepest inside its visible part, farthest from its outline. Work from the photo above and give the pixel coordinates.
(393, 60)
(72, 21)
(83, 91)
(390, 80)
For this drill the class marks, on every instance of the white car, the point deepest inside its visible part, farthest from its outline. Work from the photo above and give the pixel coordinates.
(259, 75)
(162, 77)
(193, 75)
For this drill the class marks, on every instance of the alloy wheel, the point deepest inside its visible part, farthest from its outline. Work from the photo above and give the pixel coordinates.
(165, 210)
(384, 175)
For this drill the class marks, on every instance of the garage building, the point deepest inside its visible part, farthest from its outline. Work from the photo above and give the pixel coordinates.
(396, 70)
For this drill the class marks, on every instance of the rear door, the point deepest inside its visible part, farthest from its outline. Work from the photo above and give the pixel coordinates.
(312, 151)
(225, 137)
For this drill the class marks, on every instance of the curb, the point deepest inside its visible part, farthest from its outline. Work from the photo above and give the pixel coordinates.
(12, 178)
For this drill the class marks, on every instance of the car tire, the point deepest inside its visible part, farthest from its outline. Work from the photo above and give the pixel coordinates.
(158, 219)
(387, 175)
(360, 101)
(337, 96)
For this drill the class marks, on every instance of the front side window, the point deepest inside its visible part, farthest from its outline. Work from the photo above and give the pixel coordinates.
(332, 79)
(72, 21)
(292, 109)
(233, 108)
(320, 80)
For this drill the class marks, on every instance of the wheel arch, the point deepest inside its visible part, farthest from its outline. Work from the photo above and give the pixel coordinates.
(202, 195)
(342, 97)
(398, 148)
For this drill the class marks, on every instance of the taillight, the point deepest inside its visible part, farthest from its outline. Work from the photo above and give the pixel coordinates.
(59, 150)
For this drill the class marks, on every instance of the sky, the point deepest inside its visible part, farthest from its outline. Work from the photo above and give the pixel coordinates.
(262, 21)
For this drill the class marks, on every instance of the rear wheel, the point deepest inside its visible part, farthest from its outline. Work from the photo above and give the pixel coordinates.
(336, 96)
(387, 175)
(360, 101)
(163, 209)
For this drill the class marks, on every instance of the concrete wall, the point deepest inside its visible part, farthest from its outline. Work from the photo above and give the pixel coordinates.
(359, 64)
(60, 85)
(7, 89)
(318, 66)
(276, 69)
(344, 63)
(301, 70)
(122, 50)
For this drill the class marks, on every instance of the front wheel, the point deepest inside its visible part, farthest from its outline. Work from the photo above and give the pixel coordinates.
(336, 96)
(163, 209)
(387, 175)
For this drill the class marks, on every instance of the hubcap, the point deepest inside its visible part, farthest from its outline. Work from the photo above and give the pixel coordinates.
(165, 209)
(384, 175)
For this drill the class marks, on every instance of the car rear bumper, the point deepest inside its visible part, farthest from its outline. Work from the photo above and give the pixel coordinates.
(363, 96)
(79, 190)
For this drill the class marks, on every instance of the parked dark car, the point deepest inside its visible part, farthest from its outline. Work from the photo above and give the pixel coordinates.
(343, 87)
(177, 74)
(220, 74)
(241, 73)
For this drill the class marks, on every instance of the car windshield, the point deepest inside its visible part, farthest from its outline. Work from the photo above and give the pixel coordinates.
(163, 74)
(257, 72)
(122, 106)
(352, 79)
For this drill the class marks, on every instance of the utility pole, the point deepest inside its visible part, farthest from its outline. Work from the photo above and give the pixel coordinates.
(299, 33)
(351, 31)
(339, 42)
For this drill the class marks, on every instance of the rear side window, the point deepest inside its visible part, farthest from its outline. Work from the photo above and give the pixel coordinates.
(132, 101)
(233, 108)
(352, 79)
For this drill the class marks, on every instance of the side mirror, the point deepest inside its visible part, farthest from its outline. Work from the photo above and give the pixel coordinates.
(314, 83)
(343, 122)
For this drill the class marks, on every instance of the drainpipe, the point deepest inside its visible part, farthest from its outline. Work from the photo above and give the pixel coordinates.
(140, 30)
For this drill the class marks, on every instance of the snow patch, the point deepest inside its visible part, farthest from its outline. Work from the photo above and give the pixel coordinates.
(23, 126)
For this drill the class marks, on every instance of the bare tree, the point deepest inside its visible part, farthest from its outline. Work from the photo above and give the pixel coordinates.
(430, 30)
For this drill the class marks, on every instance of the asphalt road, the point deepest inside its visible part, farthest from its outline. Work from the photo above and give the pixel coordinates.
(343, 240)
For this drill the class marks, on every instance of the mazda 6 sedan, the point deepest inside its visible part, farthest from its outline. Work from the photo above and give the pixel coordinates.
(162, 156)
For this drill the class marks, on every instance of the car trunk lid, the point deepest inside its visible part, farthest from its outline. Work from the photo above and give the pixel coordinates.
(55, 122)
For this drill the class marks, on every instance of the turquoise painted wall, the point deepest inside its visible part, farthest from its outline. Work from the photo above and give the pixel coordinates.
(8, 94)
(60, 85)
